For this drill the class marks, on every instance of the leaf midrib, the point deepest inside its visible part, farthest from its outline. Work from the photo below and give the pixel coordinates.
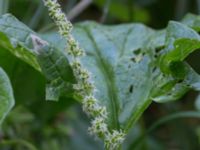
(109, 77)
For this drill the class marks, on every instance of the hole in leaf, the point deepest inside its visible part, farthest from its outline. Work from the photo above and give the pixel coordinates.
(156, 55)
(131, 89)
(133, 59)
(137, 51)
(137, 58)
(154, 69)
(158, 49)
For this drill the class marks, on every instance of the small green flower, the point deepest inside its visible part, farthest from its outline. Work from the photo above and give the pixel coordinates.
(89, 103)
(73, 47)
(92, 108)
(114, 140)
(98, 127)
(76, 65)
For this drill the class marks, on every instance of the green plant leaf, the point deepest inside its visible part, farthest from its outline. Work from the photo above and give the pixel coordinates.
(125, 69)
(181, 41)
(111, 58)
(172, 63)
(15, 37)
(31, 93)
(119, 68)
(18, 39)
(56, 68)
(6, 96)
(192, 21)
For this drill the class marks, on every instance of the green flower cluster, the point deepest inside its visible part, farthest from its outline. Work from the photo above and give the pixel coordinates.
(84, 87)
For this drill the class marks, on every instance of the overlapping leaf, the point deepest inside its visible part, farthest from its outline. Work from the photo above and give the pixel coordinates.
(126, 66)
(6, 96)
(17, 38)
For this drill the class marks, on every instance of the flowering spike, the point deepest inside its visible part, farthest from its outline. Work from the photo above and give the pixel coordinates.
(59, 17)
(74, 48)
(85, 87)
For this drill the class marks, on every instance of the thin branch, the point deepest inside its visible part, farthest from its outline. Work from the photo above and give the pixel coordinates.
(4, 6)
(80, 7)
(181, 9)
(198, 6)
(37, 16)
(105, 11)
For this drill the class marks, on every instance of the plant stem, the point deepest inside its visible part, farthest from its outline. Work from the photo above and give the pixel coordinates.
(4, 5)
(181, 8)
(198, 6)
(37, 16)
(82, 5)
(105, 11)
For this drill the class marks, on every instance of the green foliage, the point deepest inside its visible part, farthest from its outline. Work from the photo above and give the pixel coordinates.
(131, 65)
(17, 38)
(6, 96)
